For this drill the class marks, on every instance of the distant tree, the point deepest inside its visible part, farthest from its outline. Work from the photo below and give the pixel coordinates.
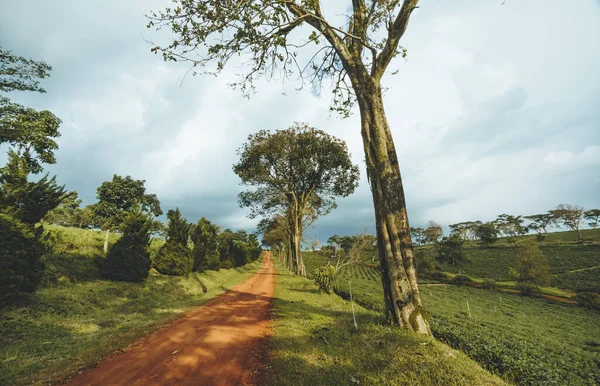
(540, 222)
(510, 225)
(346, 242)
(532, 266)
(174, 257)
(417, 235)
(570, 216)
(119, 196)
(335, 241)
(433, 233)
(204, 236)
(67, 212)
(487, 234)
(29, 131)
(450, 251)
(593, 217)
(466, 230)
(128, 259)
(275, 231)
(354, 58)
(295, 171)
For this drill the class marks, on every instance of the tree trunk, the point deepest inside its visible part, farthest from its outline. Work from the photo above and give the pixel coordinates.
(399, 277)
(106, 241)
(578, 235)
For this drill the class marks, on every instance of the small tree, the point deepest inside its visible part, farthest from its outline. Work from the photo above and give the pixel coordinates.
(570, 216)
(433, 233)
(417, 235)
(531, 265)
(119, 196)
(129, 259)
(487, 234)
(204, 236)
(540, 222)
(450, 251)
(174, 257)
(593, 217)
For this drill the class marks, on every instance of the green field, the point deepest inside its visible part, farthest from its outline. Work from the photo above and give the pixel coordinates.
(574, 266)
(76, 318)
(314, 342)
(526, 341)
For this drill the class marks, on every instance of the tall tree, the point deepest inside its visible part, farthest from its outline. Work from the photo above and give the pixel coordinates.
(570, 216)
(299, 171)
(174, 257)
(204, 236)
(510, 225)
(119, 196)
(487, 234)
(355, 58)
(31, 132)
(450, 251)
(67, 213)
(417, 235)
(593, 217)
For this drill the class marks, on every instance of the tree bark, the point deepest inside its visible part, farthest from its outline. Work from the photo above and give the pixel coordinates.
(399, 276)
(106, 241)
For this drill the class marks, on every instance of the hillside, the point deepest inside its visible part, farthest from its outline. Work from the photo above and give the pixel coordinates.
(525, 340)
(77, 318)
(314, 342)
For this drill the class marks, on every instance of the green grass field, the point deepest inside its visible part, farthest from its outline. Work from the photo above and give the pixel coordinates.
(574, 266)
(76, 319)
(527, 341)
(314, 342)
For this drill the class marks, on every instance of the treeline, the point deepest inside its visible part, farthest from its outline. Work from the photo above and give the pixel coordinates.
(570, 217)
(123, 206)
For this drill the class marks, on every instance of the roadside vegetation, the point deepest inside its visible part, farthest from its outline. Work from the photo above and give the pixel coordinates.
(77, 318)
(526, 340)
(314, 342)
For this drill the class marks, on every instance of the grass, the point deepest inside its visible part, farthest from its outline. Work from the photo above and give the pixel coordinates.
(314, 342)
(527, 341)
(76, 319)
(574, 266)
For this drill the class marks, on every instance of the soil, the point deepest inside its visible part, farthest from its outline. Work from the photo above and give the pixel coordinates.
(220, 343)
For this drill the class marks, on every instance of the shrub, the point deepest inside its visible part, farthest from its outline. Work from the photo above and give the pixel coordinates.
(129, 259)
(324, 277)
(540, 237)
(462, 280)
(212, 261)
(226, 264)
(439, 276)
(589, 300)
(530, 290)
(20, 253)
(174, 259)
(489, 284)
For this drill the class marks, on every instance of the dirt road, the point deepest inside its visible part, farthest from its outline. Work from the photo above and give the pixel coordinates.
(219, 343)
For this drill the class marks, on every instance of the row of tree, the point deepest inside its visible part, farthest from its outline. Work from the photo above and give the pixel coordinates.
(564, 215)
(123, 205)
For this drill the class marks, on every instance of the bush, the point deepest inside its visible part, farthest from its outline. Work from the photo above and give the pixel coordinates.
(174, 259)
(540, 237)
(489, 284)
(20, 253)
(589, 300)
(324, 277)
(462, 280)
(226, 264)
(530, 290)
(212, 261)
(129, 259)
(439, 276)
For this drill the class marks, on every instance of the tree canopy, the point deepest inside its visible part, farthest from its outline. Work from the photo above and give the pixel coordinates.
(297, 172)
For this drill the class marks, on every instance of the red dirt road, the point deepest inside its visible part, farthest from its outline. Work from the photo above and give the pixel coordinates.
(219, 343)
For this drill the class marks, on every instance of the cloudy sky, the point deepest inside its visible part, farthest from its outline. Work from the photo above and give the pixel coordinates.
(495, 110)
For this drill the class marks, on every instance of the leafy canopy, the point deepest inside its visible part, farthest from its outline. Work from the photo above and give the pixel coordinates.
(122, 195)
(269, 36)
(301, 163)
(30, 131)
